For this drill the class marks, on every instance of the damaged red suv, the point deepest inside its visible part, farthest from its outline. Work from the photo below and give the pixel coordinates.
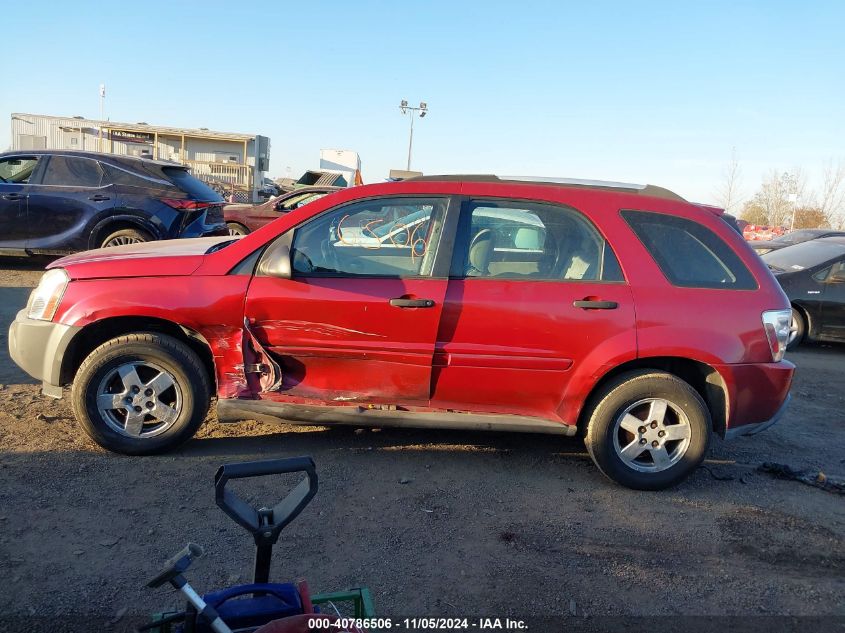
(620, 312)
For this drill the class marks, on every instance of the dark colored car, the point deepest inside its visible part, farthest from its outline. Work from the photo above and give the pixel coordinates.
(620, 312)
(813, 276)
(56, 202)
(795, 237)
(242, 219)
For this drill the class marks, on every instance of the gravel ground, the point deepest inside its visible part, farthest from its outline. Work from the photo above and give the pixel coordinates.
(484, 524)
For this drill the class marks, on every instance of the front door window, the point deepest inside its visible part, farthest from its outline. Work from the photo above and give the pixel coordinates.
(17, 170)
(381, 238)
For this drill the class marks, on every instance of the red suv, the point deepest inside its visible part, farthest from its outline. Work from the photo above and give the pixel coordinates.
(621, 312)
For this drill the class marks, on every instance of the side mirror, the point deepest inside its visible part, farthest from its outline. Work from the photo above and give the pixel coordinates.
(276, 260)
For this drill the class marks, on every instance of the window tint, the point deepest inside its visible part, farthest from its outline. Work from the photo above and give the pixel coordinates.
(395, 237)
(122, 177)
(17, 170)
(837, 269)
(298, 201)
(70, 171)
(535, 241)
(688, 253)
(191, 185)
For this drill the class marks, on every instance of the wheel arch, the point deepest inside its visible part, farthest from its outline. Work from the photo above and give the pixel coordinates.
(702, 377)
(118, 223)
(98, 332)
(240, 225)
(809, 322)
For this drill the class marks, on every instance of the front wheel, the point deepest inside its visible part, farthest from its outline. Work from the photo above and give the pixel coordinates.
(141, 394)
(648, 430)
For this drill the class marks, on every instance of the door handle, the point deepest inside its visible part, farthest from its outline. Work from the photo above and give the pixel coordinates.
(14, 196)
(99, 198)
(586, 304)
(412, 303)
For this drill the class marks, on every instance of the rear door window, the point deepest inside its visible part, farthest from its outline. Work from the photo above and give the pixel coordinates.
(523, 240)
(72, 171)
(688, 253)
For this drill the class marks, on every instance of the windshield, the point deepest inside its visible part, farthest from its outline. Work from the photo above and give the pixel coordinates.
(803, 255)
(796, 237)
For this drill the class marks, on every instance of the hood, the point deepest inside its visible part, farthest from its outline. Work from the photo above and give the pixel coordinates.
(149, 259)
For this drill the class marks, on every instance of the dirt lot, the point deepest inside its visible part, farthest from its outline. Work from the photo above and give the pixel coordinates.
(485, 524)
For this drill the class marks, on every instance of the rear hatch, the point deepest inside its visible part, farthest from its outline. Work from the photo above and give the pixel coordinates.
(199, 197)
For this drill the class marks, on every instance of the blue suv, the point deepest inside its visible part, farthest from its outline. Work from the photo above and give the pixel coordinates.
(55, 202)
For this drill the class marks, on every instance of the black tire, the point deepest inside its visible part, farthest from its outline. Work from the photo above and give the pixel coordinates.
(236, 228)
(798, 330)
(607, 407)
(151, 352)
(126, 236)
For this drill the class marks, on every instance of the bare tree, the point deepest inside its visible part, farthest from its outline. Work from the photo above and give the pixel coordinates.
(832, 195)
(774, 199)
(729, 194)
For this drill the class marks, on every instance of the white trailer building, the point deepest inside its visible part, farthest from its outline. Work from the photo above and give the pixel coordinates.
(235, 164)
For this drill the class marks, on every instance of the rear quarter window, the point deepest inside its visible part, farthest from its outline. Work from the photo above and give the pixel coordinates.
(123, 177)
(191, 185)
(688, 253)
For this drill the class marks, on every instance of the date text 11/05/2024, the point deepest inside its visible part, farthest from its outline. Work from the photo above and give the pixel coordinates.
(436, 624)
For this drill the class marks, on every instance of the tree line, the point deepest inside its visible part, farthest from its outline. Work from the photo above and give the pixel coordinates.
(785, 199)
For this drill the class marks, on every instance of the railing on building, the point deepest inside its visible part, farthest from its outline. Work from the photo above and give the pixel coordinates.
(232, 180)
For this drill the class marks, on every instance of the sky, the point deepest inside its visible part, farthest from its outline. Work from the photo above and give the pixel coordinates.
(647, 92)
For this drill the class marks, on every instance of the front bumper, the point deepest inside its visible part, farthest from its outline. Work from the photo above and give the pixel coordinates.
(38, 347)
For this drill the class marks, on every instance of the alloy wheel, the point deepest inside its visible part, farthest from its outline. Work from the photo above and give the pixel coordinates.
(122, 240)
(139, 399)
(651, 435)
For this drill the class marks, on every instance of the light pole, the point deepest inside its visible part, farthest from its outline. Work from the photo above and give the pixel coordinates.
(793, 198)
(102, 108)
(422, 110)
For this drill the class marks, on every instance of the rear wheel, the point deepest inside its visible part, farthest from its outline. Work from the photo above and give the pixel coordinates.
(140, 394)
(126, 236)
(648, 430)
(237, 229)
(797, 329)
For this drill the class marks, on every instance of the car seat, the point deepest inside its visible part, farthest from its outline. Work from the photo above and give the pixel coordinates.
(480, 253)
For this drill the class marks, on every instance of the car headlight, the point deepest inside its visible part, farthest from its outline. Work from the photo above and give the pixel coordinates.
(45, 299)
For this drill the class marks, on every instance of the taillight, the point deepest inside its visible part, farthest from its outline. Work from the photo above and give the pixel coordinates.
(184, 204)
(777, 324)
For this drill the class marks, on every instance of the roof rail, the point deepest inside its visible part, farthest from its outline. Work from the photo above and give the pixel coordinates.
(646, 190)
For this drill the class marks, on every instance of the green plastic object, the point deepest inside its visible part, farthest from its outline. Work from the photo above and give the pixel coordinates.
(354, 603)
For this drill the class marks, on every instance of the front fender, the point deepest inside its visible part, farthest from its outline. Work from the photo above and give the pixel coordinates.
(212, 306)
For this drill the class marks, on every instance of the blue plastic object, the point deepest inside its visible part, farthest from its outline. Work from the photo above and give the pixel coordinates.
(269, 601)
